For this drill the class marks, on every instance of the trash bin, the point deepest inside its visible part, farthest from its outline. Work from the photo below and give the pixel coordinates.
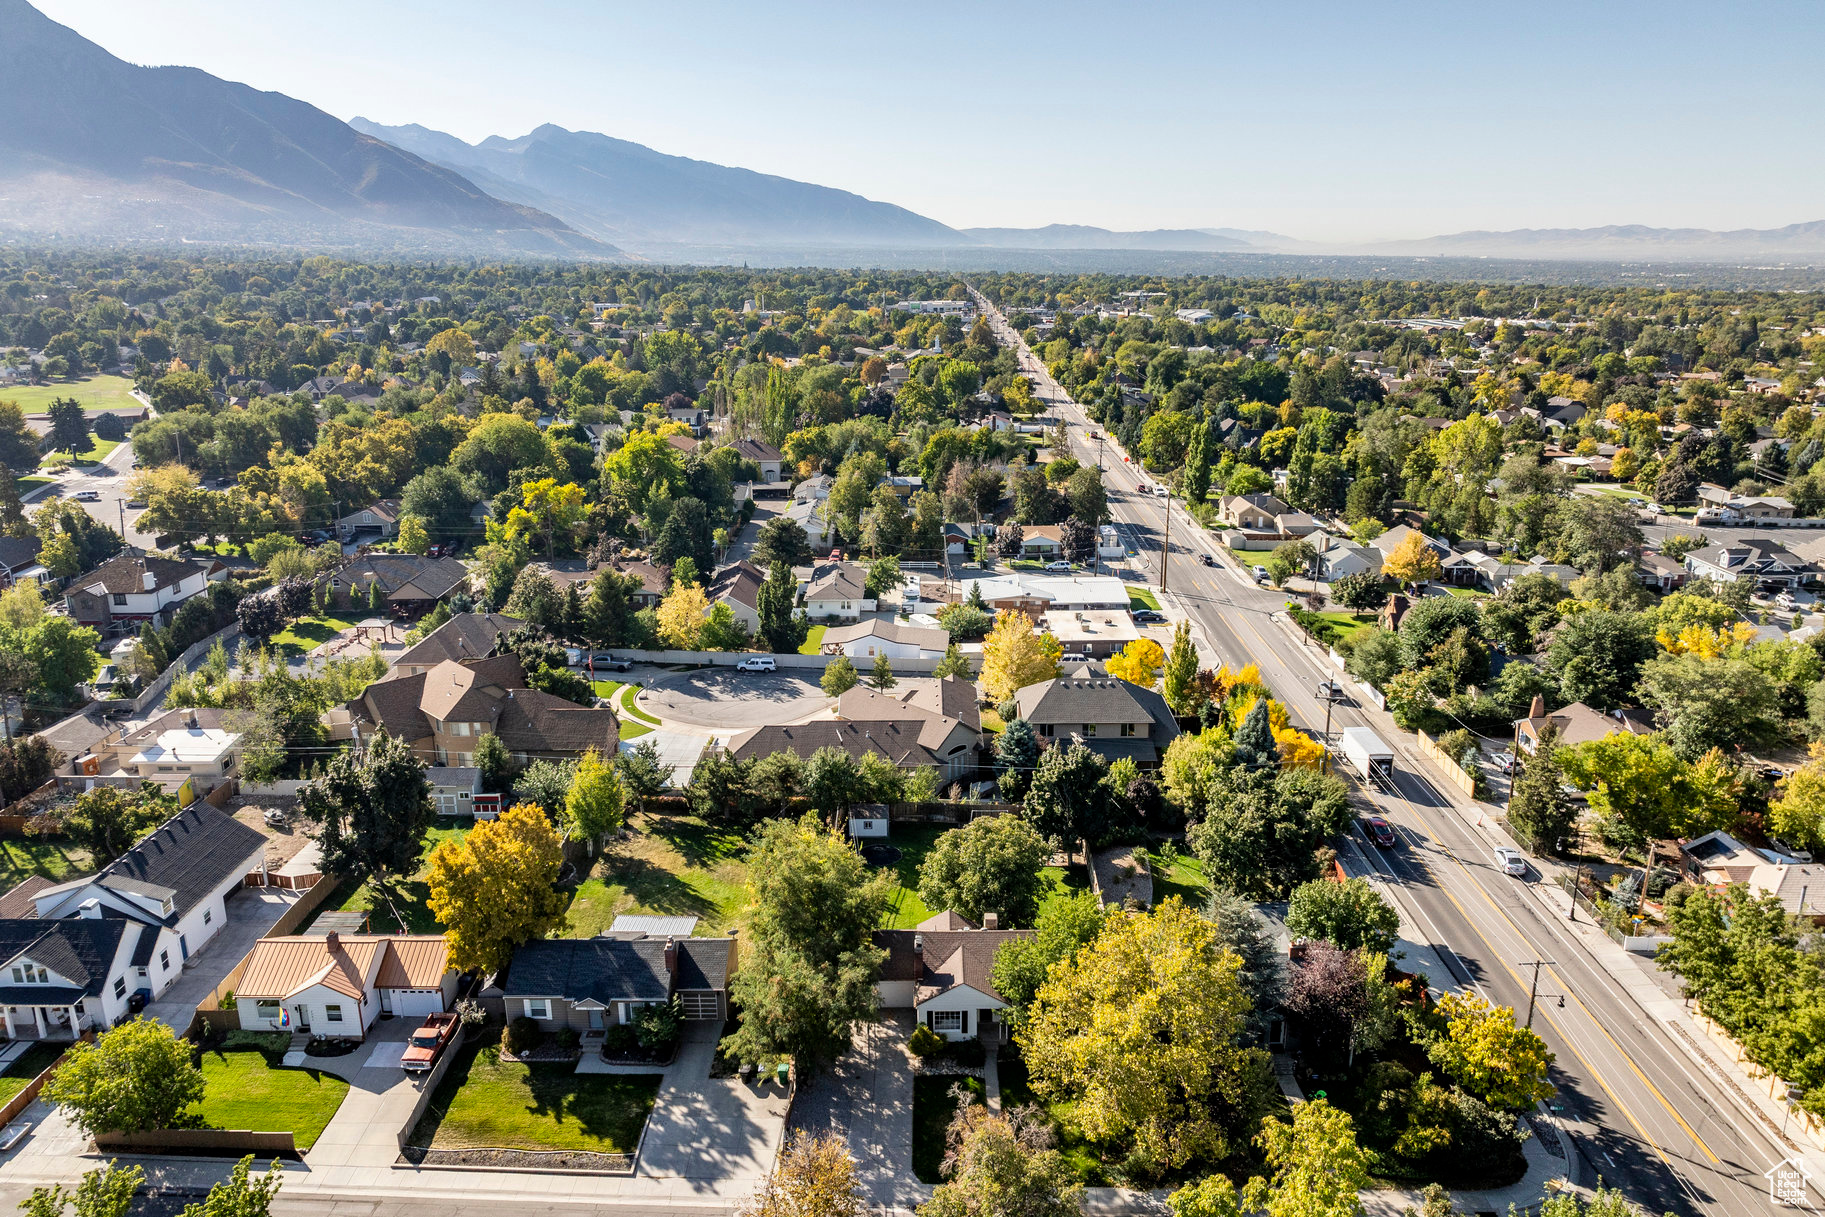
(783, 1071)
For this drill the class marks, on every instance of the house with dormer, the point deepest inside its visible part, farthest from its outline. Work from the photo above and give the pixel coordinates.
(130, 589)
(941, 971)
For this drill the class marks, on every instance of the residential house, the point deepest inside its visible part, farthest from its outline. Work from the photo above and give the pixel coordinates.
(906, 486)
(652, 582)
(464, 636)
(686, 444)
(1041, 542)
(898, 740)
(738, 586)
(1577, 724)
(1390, 541)
(61, 978)
(1262, 518)
(813, 515)
(336, 985)
(1111, 717)
(19, 561)
(691, 416)
(1659, 571)
(837, 591)
(378, 521)
(177, 746)
(1339, 557)
(941, 971)
(591, 984)
(410, 584)
(1718, 859)
(814, 489)
(1721, 506)
(129, 589)
(1093, 635)
(442, 714)
(950, 721)
(1037, 594)
(1769, 563)
(894, 639)
(1474, 568)
(174, 882)
(769, 458)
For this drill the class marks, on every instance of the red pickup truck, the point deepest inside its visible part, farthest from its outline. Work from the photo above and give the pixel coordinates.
(428, 1043)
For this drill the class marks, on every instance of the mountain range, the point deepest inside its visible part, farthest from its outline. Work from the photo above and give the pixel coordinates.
(95, 148)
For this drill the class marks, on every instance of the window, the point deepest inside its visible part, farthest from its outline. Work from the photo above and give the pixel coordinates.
(947, 1020)
(459, 728)
(120, 986)
(267, 1010)
(1045, 729)
(1089, 730)
(164, 961)
(1127, 730)
(332, 1013)
(31, 974)
(463, 795)
(538, 1007)
(208, 916)
(120, 598)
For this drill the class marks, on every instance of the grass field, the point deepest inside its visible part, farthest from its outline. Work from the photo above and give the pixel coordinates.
(934, 1103)
(26, 485)
(1142, 597)
(485, 1101)
(307, 634)
(94, 392)
(53, 857)
(36, 1060)
(814, 639)
(671, 865)
(914, 841)
(98, 451)
(1350, 624)
(630, 728)
(407, 896)
(1184, 878)
(244, 1089)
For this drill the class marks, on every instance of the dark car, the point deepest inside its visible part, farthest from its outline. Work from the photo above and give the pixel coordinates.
(1149, 616)
(1379, 831)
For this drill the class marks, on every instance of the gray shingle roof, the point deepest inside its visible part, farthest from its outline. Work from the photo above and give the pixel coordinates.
(187, 856)
(127, 573)
(898, 741)
(79, 949)
(613, 969)
(464, 636)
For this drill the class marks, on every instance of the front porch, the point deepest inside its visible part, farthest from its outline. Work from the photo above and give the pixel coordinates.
(42, 1022)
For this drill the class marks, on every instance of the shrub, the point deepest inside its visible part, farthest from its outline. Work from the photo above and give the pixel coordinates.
(619, 1040)
(471, 1013)
(925, 1042)
(567, 1038)
(522, 1035)
(657, 1027)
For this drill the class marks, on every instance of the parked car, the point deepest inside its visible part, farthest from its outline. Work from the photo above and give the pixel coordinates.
(1379, 831)
(1785, 600)
(87, 496)
(1074, 657)
(1503, 761)
(1149, 617)
(757, 663)
(136, 504)
(277, 818)
(604, 662)
(1510, 861)
(1261, 575)
(1060, 564)
(428, 1043)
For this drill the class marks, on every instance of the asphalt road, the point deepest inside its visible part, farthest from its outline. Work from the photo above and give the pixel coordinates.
(1644, 1114)
(109, 480)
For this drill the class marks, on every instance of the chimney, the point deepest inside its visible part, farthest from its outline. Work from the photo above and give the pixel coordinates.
(991, 921)
(333, 941)
(671, 954)
(91, 908)
(151, 581)
(1538, 708)
(918, 944)
(191, 720)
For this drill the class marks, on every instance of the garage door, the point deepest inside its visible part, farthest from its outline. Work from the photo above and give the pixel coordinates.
(700, 1004)
(410, 1002)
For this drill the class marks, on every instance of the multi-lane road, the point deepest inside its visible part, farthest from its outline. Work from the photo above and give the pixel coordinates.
(1644, 1111)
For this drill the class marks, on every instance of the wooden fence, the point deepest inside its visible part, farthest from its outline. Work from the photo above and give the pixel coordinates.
(200, 1140)
(209, 1013)
(23, 1099)
(1448, 766)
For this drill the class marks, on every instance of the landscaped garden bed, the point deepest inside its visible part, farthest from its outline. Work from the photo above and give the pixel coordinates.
(487, 1107)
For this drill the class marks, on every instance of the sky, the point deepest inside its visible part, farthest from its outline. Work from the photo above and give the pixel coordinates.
(1332, 122)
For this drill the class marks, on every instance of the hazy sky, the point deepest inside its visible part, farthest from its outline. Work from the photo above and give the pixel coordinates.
(1320, 120)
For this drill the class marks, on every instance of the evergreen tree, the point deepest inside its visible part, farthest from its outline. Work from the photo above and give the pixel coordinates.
(1017, 752)
(1197, 465)
(783, 630)
(1255, 739)
(882, 677)
(1537, 804)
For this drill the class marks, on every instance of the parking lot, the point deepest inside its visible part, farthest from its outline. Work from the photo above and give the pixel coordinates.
(725, 700)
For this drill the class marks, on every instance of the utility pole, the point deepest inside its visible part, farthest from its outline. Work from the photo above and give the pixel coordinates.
(1166, 543)
(1534, 988)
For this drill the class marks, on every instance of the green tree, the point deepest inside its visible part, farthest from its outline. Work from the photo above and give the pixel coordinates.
(1242, 929)
(107, 820)
(1017, 753)
(1597, 657)
(1485, 1052)
(642, 774)
(1291, 558)
(783, 630)
(495, 762)
(997, 1166)
(1197, 465)
(1068, 799)
(882, 677)
(104, 1192)
(990, 865)
(782, 543)
(1181, 672)
(808, 966)
(1254, 743)
(955, 663)
(241, 1194)
(1318, 1167)
(839, 677)
(1262, 829)
(1064, 926)
(1350, 914)
(371, 812)
(1639, 782)
(1703, 704)
(1363, 592)
(596, 804)
(1140, 1028)
(1537, 803)
(132, 1078)
(69, 426)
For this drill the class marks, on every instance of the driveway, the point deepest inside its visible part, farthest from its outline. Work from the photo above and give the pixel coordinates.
(710, 1130)
(365, 1130)
(867, 1099)
(251, 912)
(725, 700)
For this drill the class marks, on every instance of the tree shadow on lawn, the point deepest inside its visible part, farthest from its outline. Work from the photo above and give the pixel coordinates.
(607, 1107)
(700, 844)
(654, 887)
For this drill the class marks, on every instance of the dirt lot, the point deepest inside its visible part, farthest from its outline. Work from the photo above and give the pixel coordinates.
(282, 844)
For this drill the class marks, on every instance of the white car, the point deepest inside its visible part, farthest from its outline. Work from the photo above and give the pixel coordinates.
(1160, 492)
(87, 496)
(1261, 575)
(1061, 564)
(1510, 861)
(757, 663)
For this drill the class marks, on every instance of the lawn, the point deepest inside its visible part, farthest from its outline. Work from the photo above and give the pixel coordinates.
(53, 857)
(98, 451)
(1468, 593)
(814, 640)
(36, 1060)
(1183, 878)
(671, 865)
(1618, 492)
(246, 1088)
(630, 729)
(1140, 597)
(487, 1102)
(28, 484)
(627, 704)
(1349, 624)
(94, 392)
(933, 1106)
(914, 841)
(307, 634)
(1017, 1091)
(405, 898)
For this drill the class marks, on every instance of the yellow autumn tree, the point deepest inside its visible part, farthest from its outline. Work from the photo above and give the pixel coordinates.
(1702, 641)
(681, 616)
(1139, 663)
(497, 888)
(1296, 747)
(413, 536)
(1013, 655)
(1413, 561)
(454, 343)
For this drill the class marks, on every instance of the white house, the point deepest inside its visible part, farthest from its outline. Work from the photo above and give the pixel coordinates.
(873, 637)
(940, 971)
(61, 978)
(127, 590)
(1338, 558)
(175, 882)
(769, 458)
(453, 788)
(205, 754)
(336, 986)
(837, 590)
(813, 515)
